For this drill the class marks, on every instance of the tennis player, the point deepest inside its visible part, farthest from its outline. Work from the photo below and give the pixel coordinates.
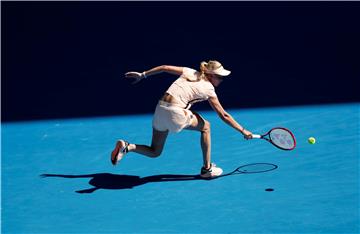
(173, 112)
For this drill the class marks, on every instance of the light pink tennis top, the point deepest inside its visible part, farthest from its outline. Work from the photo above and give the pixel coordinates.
(189, 92)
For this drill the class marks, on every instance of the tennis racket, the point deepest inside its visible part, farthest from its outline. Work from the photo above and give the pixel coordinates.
(280, 137)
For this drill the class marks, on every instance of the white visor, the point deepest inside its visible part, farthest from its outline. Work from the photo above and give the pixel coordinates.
(221, 71)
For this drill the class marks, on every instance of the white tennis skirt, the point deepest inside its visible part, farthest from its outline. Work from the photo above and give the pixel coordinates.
(171, 117)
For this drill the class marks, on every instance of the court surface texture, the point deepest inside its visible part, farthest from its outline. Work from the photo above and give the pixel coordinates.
(57, 176)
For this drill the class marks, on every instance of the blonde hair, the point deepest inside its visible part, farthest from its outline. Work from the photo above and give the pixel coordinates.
(206, 67)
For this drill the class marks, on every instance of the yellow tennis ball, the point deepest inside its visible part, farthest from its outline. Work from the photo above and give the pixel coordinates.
(311, 140)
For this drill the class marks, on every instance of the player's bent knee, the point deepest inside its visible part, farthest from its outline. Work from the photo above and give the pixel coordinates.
(206, 127)
(156, 153)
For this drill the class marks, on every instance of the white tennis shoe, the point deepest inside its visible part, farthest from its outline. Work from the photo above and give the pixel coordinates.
(212, 172)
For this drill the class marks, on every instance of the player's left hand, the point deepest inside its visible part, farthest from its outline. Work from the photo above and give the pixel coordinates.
(135, 75)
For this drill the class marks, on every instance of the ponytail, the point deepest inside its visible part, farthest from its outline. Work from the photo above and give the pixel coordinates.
(203, 67)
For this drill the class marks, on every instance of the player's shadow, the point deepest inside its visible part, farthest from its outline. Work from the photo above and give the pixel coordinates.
(113, 181)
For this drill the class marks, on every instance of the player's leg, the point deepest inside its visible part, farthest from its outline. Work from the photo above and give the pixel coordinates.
(203, 126)
(154, 150)
(156, 147)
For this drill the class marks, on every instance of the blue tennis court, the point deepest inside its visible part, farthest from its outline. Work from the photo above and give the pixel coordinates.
(57, 176)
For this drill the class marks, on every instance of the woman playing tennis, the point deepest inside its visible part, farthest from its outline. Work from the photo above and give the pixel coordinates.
(173, 113)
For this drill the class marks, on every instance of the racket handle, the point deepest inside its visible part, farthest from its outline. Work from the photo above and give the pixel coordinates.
(256, 136)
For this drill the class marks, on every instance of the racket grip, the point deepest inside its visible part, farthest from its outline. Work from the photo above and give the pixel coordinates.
(256, 136)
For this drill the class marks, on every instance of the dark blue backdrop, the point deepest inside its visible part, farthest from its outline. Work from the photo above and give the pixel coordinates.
(67, 59)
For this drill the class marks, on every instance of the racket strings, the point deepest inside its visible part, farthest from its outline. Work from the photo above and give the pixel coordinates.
(282, 138)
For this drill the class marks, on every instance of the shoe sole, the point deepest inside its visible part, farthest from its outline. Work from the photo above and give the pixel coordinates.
(115, 153)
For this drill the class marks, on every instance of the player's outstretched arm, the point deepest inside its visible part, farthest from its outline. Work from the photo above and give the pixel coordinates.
(227, 118)
(175, 70)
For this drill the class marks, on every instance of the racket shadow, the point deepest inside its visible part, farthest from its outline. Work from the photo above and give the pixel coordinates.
(115, 181)
(253, 168)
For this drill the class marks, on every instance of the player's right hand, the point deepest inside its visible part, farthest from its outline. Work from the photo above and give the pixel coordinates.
(247, 134)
